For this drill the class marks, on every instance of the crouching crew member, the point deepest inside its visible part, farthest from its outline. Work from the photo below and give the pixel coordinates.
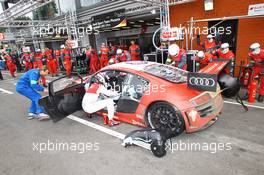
(28, 85)
(122, 56)
(97, 97)
(178, 57)
(226, 54)
(203, 59)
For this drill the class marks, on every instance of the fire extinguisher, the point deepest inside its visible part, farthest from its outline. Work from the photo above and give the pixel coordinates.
(252, 90)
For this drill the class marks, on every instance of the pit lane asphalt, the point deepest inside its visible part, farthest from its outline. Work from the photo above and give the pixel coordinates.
(243, 130)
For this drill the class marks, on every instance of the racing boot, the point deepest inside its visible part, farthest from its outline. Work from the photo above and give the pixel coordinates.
(113, 123)
(261, 98)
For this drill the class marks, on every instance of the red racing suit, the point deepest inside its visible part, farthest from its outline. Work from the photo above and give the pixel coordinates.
(92, 55)
(259, 68)
(104, 52)
(27, 58)
(51, 62)
(11, 66)
(57, 57)
(134, 52)
(180, 61)
(66, 57)
(125, 56)
(205, 61)
(228, 56)
(38, 61)
(209, 47)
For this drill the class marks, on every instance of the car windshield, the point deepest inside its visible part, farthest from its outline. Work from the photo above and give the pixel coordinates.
(167, 72)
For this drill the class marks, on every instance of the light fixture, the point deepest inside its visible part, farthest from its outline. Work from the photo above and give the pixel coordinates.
(141, 21)
(157, 22)
(150, 24)
(208, 5)
(131, 22)
(136, 25)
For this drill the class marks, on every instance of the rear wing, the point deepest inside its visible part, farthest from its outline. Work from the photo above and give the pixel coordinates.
(215, 67)
(207, 78)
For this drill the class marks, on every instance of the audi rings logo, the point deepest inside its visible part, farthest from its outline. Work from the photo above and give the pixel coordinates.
(202, 81)
(197, 81)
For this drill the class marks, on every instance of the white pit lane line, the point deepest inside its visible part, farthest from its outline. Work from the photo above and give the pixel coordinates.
(248, 105)
(106, 130)
(6, 91)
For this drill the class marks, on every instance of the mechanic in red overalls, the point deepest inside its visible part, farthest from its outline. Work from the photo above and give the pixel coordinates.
(10, 64)
(57, 58)
(134, 50)
(225, 53)
(66, 57)
(210, 45)
(38, 56)
(97, 97)
(203, 59)
(27, 59)
(94, 61)
(178, 57)
(256, 56)
(122, 56)
(51, 62)
(104, 55)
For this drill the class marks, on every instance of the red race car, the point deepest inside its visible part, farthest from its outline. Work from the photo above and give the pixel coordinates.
(151, 95)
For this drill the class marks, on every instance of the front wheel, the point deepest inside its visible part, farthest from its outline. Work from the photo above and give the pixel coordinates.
(162, 116)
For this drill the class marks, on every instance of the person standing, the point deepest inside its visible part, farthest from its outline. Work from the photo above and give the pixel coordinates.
(134, 50)
(27, 59)
(28, 86)
(10, 64)
(104, 55)
(38, 64)
(66, 57)
(92, 56)
(51, 62)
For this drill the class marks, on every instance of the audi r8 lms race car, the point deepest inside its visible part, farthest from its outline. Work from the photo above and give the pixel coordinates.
(151, 95)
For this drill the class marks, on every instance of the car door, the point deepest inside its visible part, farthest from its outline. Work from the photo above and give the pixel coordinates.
(134, 87)
(65, 97)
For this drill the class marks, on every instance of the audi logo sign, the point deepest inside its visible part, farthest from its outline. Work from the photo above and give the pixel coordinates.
(202, 82)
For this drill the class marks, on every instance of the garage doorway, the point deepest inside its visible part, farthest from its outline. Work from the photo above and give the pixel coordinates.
(229, 35)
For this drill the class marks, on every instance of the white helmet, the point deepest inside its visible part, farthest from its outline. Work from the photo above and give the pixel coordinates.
(111, 61)
(255, 48)
(62, 46)
(38, 50)
(174, 50)
(224, 48)
(119, 51)
(209, 36)
(201, 54)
